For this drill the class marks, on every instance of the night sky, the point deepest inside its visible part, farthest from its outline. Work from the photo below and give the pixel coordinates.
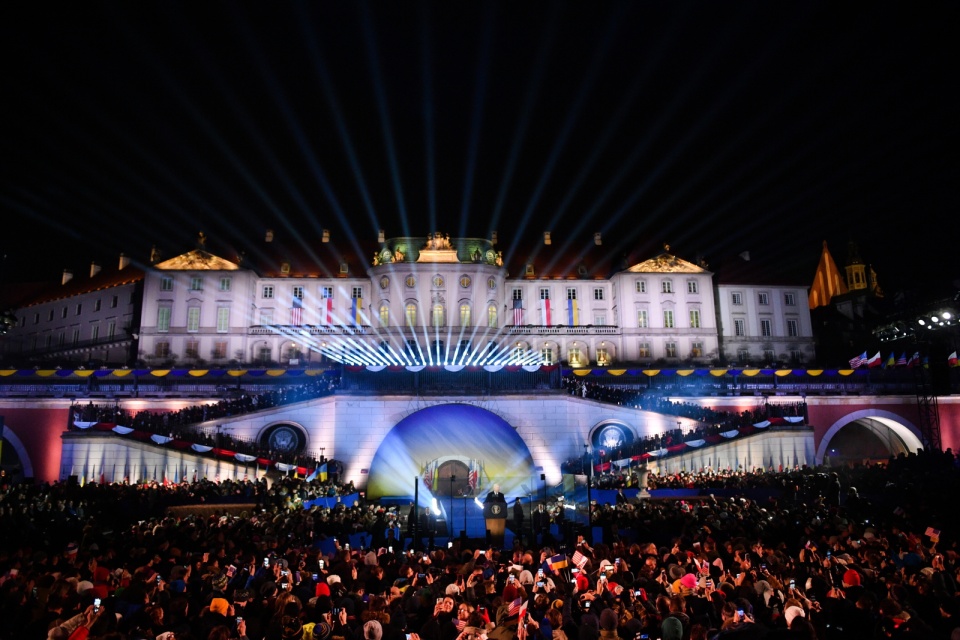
(716, 127)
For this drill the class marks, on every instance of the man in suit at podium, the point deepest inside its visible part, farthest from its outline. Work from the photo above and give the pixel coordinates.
(495, 514)
(495, 496)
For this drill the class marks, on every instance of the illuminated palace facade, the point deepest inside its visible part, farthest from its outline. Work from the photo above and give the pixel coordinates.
(439, 301)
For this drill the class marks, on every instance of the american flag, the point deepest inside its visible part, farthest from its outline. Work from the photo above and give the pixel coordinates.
(579, 559)
(517, 312)
(858, 361)
(473, 476)
(296, 313)
(515, 607)
(902, 360)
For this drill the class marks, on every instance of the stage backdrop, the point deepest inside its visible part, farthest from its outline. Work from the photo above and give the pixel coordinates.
(479, 446)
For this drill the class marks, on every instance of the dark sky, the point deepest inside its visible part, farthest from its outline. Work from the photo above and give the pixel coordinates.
(716, 127)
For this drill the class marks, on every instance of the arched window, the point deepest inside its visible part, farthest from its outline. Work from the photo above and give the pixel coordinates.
(384, 314)
(437, 316)
(411, 312)
(492, 316)
(464, 314)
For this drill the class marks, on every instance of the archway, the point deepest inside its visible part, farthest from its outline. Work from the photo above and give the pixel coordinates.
(429, 445)
(871, 431)
(14, 454)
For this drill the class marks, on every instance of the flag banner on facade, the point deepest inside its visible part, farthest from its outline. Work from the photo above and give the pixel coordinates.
(793, 419)
(160, 439)
(296, 312)
(243, 457)
(201, 448)
(573, 313)
(356, 312)
(730, 434)
(545, 312)
(696, 443)
(762, 425)
(84, 425)
(122, 430)
(517, 312)
(328, 311)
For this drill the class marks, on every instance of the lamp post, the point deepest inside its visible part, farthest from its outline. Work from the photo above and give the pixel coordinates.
(586, 452)
(453, 478)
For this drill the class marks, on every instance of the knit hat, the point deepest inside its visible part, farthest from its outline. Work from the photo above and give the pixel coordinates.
(689, 581)
(792, 612)
(609, 620)
(219, 583)
(372, 630)
(851, 578)
(219, 605)
(671, 629)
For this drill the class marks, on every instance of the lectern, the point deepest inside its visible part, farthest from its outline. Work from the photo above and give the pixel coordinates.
(495, 514)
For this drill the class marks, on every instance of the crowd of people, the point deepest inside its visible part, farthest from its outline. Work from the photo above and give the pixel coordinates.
(867, 552)
(183, 423)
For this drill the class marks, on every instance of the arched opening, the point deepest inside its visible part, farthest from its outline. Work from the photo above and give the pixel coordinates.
(14, 460)
(460, 483)
(867, 435)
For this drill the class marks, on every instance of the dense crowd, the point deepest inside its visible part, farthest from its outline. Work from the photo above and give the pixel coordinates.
(183, 423)
(825, 561)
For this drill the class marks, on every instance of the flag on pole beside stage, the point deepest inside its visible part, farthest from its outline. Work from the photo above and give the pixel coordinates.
(875, 361)
(858, 361)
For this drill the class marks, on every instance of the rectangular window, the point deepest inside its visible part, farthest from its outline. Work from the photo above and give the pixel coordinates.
(192, 349)
(736, 298)
(76, 336)
(600, 319)
(193, 319)
(571, 294)
(63, 312)
(219, 349)
(166, 283)
(793, 328)
(196, 283)
(644, 350)
(795, 356)
(114, 301)
(94, 332)
(598, 294)
(743, 355)
(763, 298)
(670, 349)
(544, 293)
(79, 308)
(266, 317)
(111, 329)
(267, 291)
(694, 318)
(766, 328)
(357, 293)
(790, 299)
(546, 356)
(517, 294)
(326, 293)
(691, 286)
(739, 327)
(696, 350)
(96, 305)
(50, 316)
(163, 319)
(769, 355)
(642, 321)
(225, 283)
(36, 318)
(161, 349)
(641, 286)
(666, 286)
(298, 292)
(223, 319)
(667, 319)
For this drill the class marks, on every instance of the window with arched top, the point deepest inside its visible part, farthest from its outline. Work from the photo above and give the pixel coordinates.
(492, 315)
(411, 314)
(464, 314)
(384, 314)
(437, 316)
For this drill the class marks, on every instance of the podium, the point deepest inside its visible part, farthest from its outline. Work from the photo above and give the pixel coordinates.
(495, 514)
